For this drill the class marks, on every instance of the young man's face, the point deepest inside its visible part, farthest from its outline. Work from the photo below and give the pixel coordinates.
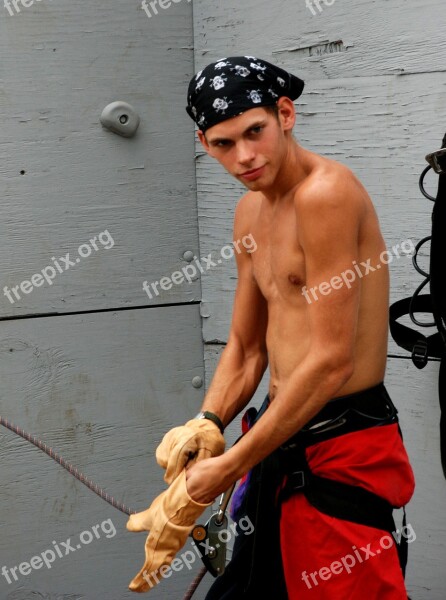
(253, 145)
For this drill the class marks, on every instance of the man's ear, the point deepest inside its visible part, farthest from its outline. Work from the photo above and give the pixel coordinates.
(287, 113)
(203, 140)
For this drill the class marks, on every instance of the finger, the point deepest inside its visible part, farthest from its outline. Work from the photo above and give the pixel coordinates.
(178, 459)
(143, 521)
(203, 453)
(164, 448)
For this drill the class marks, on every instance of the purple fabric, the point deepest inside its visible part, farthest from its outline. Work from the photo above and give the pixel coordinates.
(237, 497)
(248, 421)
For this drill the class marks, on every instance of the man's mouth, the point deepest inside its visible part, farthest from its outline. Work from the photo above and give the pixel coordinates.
(253, 174)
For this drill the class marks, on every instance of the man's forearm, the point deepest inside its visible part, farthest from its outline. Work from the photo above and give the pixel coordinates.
(302, 396)
(234, 382)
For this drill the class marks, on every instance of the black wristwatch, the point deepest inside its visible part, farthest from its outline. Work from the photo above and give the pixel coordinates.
(212, 417)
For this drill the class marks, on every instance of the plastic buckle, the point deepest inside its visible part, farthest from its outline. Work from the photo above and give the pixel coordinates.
(419, 354)
(437, 161)
(296, 480)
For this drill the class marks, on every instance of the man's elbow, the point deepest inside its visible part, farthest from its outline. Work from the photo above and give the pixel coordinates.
(256, 352)
(338, 367)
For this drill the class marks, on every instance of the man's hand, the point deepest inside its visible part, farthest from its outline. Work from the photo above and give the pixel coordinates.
(196, 440)
(207, 479)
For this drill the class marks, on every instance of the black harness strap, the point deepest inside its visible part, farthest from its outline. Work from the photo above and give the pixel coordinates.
(341, 500)
(422, 347)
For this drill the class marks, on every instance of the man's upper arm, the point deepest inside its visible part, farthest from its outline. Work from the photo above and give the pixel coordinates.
(328, 218)
(250, 310)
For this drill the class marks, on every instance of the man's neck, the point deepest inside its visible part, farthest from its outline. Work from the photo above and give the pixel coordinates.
(294, 170)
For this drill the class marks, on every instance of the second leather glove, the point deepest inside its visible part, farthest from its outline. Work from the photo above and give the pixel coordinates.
(197, 439)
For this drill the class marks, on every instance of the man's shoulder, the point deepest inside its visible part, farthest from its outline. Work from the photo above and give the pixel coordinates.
(330, 183)
(248, 205)
(250, 199)
(244, 218)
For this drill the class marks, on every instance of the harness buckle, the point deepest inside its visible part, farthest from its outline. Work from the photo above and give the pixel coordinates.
(419, 354)
(437, 161)
(296, 480)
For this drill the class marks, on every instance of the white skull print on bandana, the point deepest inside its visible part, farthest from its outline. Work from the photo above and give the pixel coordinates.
(242, 71)
(200, 84)
(257, 67)
(221, 65)
(255, 96)
(221, 104)
(218, 81)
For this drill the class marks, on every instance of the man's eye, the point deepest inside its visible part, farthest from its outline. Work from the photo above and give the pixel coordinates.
(257, 129)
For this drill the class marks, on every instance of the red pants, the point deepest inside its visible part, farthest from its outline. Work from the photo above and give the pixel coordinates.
(326, 558)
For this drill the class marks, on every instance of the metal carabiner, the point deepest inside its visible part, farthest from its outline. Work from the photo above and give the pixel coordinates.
(208, 538)
(437, 161)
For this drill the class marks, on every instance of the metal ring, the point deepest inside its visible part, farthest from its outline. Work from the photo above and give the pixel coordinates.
(415, 256)
(421, 184)
(411, 312)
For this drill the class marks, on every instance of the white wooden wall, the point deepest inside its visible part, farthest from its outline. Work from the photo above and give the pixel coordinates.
(375, 100)
(97, 368)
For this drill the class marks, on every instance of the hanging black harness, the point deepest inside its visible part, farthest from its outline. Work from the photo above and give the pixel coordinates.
(433, 346)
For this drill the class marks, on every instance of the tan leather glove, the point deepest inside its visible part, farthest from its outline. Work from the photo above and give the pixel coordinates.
(197, 439)
(170, 518)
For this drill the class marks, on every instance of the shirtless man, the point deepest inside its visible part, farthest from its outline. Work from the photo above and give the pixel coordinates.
(322, 337)
(311, 219)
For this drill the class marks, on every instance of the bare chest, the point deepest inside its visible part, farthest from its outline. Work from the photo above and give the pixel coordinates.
(278, 263)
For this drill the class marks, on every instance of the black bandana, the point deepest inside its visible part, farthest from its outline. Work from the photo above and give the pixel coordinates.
(230, 86)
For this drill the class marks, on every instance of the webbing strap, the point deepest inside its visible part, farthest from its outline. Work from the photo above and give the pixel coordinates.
(343, 501)
(411, 339)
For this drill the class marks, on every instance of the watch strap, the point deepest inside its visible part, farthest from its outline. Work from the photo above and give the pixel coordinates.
(212, 417)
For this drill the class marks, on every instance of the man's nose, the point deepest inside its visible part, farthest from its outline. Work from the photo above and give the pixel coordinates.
(245, 153)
